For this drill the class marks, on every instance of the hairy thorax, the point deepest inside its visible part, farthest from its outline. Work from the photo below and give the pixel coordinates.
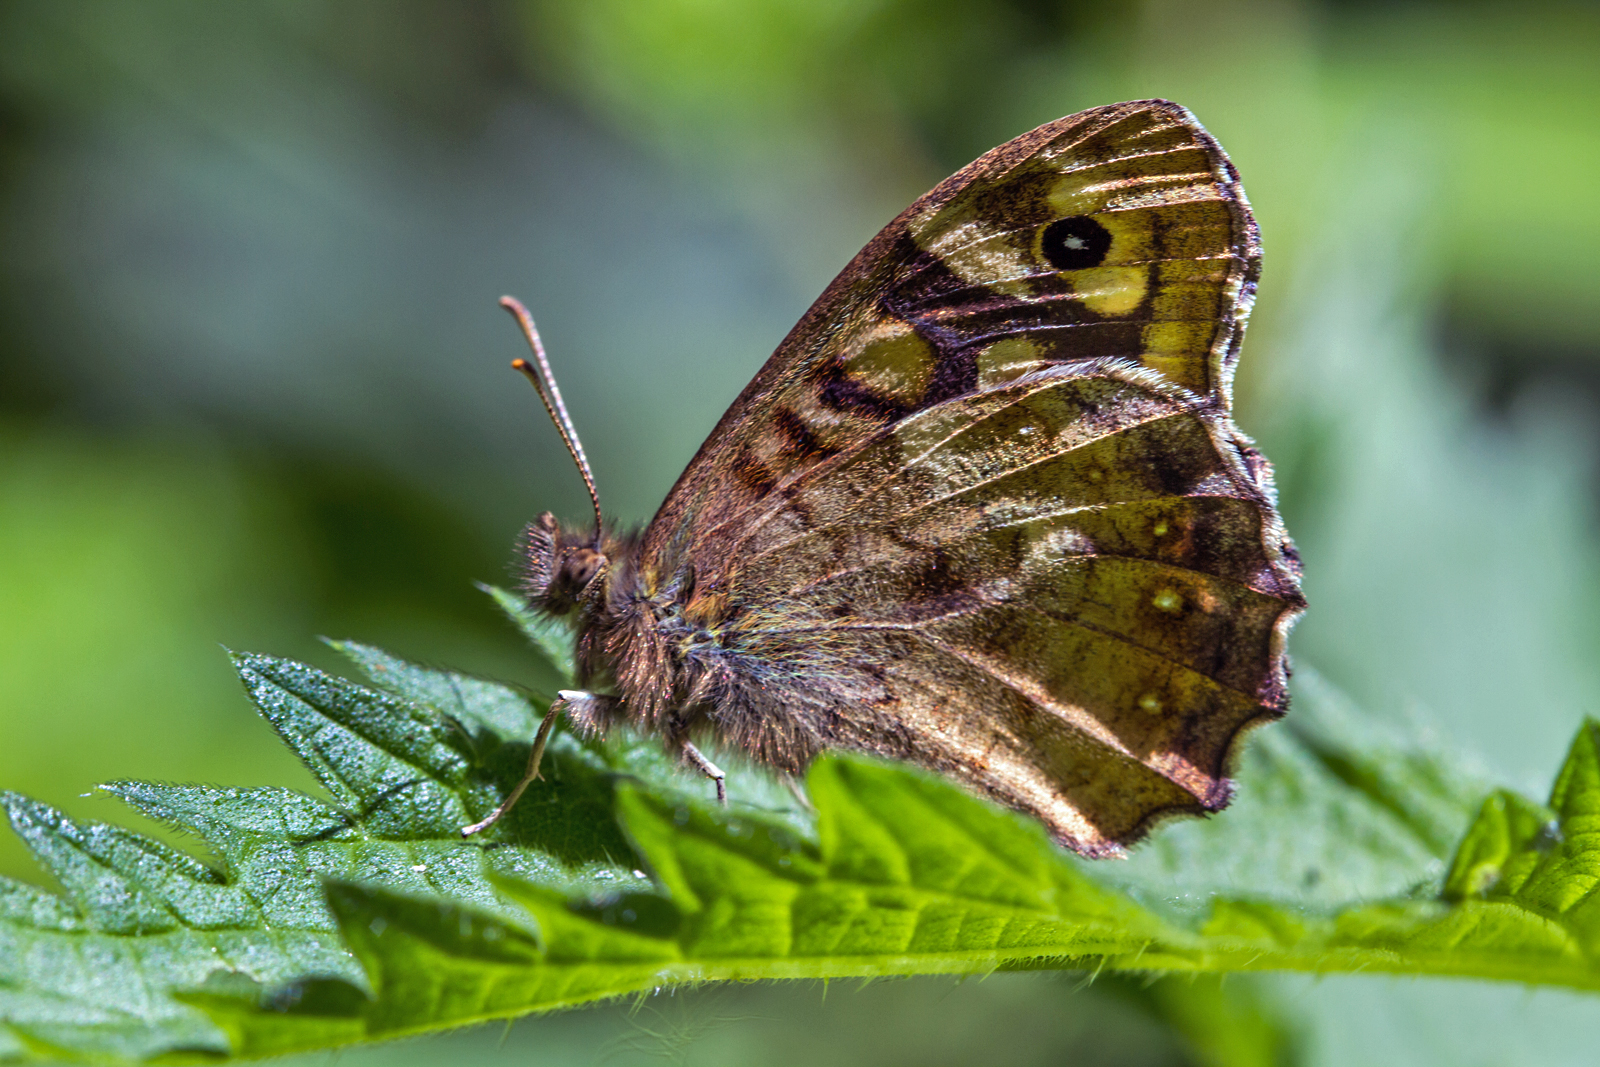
(656, 653)
(647, 649)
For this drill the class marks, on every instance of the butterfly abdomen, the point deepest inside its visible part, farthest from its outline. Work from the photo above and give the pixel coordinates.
(679, 667)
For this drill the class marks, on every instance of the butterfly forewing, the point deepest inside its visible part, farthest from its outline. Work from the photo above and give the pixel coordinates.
(985, 509)
(960, 293)
(1124, 233)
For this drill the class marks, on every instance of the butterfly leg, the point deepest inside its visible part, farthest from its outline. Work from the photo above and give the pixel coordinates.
(695, 757)
(535, 757)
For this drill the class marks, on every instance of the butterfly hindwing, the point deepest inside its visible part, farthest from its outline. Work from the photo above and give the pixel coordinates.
(985, 508)
(1075, 570)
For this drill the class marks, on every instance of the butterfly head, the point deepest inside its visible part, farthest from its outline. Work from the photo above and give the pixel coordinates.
(559, 563)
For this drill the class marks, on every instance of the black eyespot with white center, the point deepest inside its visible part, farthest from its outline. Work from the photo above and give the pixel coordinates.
(1074, 243)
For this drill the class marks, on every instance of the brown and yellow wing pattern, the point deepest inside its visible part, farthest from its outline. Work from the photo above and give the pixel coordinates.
(985, 508)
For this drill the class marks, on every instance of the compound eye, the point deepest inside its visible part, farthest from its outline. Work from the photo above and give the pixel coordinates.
(582, 565)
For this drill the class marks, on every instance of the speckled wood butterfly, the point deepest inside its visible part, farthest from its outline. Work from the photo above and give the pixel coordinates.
(985, 509)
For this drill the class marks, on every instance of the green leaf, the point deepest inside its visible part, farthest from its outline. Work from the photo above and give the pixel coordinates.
(94, 974)
(480, 706)
(1531, 871)
(316, 923)
(148, 949)
(1334, 805)
(1226, 1021)
(552, 638)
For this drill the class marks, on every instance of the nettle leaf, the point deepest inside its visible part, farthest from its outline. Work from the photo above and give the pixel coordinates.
(1528, 872)
(551, 638)
(321, 922)
(1334, 805)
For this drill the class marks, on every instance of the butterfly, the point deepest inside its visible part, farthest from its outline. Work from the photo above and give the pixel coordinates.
(984, 510)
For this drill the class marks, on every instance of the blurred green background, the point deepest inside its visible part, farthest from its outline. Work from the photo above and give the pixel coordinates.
(253, 383)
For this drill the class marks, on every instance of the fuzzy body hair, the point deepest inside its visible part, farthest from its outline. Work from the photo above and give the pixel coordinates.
(659, 660)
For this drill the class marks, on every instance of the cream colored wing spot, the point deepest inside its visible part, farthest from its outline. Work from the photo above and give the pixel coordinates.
(1159, 136)
(889, 359)
(1007, 262)
(1084, 189)
(1132, 161)
(1132, 239)
(1008, 359)
(1177, 339)
(1160, 195)
(1110, 292)
(980, 253)
(1069, 196)
(1048, 543)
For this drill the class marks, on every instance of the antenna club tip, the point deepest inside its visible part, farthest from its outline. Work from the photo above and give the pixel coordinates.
(520, 364)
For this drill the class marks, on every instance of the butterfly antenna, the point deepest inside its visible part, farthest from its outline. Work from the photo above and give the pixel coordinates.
(544, 383)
